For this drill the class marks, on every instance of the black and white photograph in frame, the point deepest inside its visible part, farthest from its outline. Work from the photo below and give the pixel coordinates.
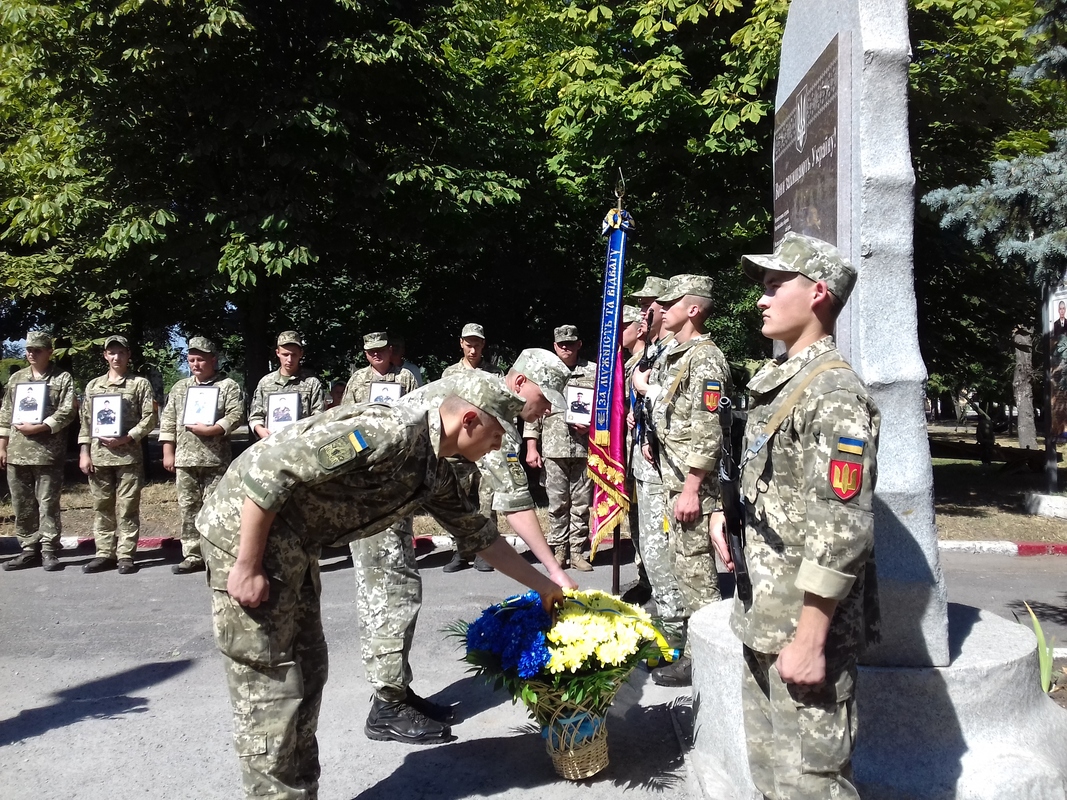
(106, 416)
(29, 403)
(381, 392)
(200, 405)
(579, 406)
(283, 409)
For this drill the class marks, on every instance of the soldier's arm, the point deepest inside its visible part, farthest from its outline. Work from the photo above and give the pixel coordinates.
(257, 412)
(531, 432)
(708, 379)
(351, 389)
(803, 660)
(168, 424)
(6, 412)
(247, 582)
(407, 379)
(528, 528)
(147, 420)
(85, 427)
(234, 407)
(64, 413)
(317, 397)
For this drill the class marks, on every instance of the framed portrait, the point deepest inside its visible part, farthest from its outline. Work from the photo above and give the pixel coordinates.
(29, 403)
(387, 393)
(283, 409)
(105, 413)
(200, 405)
(579, 406)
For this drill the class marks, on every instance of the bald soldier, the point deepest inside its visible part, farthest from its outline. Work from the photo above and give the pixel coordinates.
(339, 476)
(388, 584)
(807, 481)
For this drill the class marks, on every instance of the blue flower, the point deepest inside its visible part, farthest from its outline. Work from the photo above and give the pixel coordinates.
(514, 631)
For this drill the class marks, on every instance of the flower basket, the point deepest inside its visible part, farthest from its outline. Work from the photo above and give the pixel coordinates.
(566, 673)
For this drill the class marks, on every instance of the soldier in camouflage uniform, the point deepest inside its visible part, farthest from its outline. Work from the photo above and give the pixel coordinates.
(198, 454)
(562, 450)
(379, 369)
(808, 480)
(115, 464)
(289, 377)
(389, 589)
(472, 343)
(683, 397)
(334, 477)
(34, 453)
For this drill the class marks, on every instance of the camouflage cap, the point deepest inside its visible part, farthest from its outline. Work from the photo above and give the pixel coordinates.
(565, 333)
(548, 371)
(813, 258)
(473, 329)
(38, 339)
(290, 337)
(116, 339)
(630, 314)
(202, 345)
(372, 341)
(491, 394)
(653, 288)
(681, 285)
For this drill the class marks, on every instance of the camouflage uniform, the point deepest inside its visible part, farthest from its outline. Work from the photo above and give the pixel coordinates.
(35, 463)
(810, 528)
(687, 381)
(339, 476)
(570, 489)
(388, 586)
(199, 461)
(312, 395)
(118, 473)
(652, 539)
(462, 366)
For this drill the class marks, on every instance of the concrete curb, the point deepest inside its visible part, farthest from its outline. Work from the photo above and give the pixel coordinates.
(1006, 548)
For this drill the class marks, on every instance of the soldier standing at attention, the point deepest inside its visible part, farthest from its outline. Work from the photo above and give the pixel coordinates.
(807, 484)
(400, 359)
(289, 377)
(115, 465)
(683, 397)
(335, 477)
(472, 343)
(198, 453)
(563, 453)
(33, 454)
(379, 369)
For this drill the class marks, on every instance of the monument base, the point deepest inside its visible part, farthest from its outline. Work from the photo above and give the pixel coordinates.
(978, 729)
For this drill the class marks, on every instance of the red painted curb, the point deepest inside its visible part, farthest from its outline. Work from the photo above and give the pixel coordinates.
(1041, 549)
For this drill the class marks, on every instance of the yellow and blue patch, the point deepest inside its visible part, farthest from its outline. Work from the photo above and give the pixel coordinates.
(712, 394)
(357, 440)
(341, 450)
(848, 445)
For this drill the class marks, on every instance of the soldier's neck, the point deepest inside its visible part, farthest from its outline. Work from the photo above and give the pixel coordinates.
(40, 373)
(688, 331)
(115, 375)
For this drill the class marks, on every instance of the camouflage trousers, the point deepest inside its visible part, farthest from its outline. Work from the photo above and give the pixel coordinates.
(388, 599)
(116, 493)
(570, 493)
(656, 556)
(35, 493)
(692, 559)
(276, 667)
(477, 491)
(195, 485)
(800, 738)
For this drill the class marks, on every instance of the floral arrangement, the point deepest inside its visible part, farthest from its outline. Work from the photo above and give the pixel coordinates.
(580, 660)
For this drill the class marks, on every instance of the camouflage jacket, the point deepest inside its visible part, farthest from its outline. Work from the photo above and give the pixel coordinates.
(807, 495)
(312, 395)
(342, 475)
(558, 439)
(358, 388)
(642, 470)
(501, 469)
(191, 450)
(138, 419)
(687, 382)
(43, 448)
(461, 366)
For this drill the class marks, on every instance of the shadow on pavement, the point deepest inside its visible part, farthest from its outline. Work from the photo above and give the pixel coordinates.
(1045, 612)
(100, 699)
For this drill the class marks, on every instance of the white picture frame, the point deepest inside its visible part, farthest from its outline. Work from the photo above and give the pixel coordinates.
(105, 416)
(283, 409)
(201, 403)
(29, 403)
(383, 392)
(579, 406)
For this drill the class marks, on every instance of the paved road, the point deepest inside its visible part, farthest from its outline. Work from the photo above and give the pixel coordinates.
(111, 685)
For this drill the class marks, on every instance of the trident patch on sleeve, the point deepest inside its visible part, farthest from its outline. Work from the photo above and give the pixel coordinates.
(341, 450)
(712, 393)
(518, 475)
(846, 473)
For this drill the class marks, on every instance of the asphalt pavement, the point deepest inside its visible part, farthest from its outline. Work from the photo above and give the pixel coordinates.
(112, 687)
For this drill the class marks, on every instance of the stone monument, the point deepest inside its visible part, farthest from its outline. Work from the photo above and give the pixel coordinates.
(949, 703)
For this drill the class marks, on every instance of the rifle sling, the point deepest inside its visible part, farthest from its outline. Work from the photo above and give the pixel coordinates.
(786, 408)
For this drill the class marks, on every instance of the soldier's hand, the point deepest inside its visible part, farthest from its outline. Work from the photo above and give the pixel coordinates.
(805, 666)
(533, 458)
(631, 421)
(687, 507)
(262, 432)
(168, 461)
(562, 579)
(718, 539)
(3, 453)
(581, 430)
(201, 429)
(115, 441)
(85, 463)
(550, 600)
(249, 586)
(30, 429)
(646, 451)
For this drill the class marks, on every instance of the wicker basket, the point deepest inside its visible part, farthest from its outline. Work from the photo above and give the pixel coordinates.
(576, 735)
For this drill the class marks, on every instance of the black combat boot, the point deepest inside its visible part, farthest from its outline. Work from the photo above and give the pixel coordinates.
(402, 722)
(435, 711)
(677, 673)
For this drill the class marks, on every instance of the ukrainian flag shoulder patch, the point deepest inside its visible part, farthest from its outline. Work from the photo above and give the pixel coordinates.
(341, 450)
(848, 445)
